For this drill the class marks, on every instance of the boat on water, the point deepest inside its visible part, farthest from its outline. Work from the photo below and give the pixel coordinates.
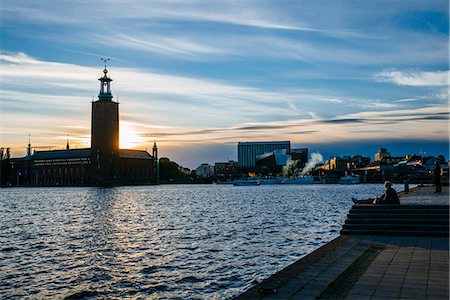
(298, 180)
(266, 181)
(228, 181)
(349, 180)
(246, 182)
(328, 180)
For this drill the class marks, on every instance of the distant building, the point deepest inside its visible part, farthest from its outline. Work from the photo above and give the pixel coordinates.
(381, 154)
(415, 161)
(205, 170)
(429, 161)
(344, 163)
(385, 157)
(103, 163)
(301, 156)
(357, 161)
(248, 151)
(228, 169)
(276, 158)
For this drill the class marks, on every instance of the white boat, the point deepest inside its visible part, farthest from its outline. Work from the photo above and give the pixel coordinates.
(349, 180)
(298, 180)
(246, 182)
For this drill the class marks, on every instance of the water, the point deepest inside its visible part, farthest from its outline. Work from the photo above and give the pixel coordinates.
(161, 242)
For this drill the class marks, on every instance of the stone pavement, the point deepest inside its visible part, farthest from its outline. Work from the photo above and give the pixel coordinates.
(407, 268)
(425, 195)
(367, 267)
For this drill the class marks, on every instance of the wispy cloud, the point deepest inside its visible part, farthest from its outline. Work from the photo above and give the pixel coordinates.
(256, 14)
(352, 127)
(203, 31)
(313, 115)
(167, 46)
(440, 95)
(150, 99)
(35, 90)
(414, 78)
(152, 94)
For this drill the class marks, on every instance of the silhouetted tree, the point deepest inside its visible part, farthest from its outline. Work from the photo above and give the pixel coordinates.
(171, 171)
(5, 166)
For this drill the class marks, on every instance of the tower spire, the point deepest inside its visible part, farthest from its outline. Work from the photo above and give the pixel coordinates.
(105, 84)
(155, 149)
(105, 60)
(29, 145)
(155, 160)
(67, 144)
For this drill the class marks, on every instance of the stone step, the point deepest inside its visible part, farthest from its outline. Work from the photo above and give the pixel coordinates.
(384, 220)
(412, 220)
(410, 227)
(398, 211)
(394, 232)
(401, 206)
(384, 216)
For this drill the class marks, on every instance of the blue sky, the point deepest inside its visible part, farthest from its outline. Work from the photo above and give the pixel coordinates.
(338, 77)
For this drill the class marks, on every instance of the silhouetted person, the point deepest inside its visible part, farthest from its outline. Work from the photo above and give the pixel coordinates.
(406, 183)
(389, 197)
(437, 177)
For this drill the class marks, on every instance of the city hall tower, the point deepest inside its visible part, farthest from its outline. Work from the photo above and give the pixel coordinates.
(105, 133)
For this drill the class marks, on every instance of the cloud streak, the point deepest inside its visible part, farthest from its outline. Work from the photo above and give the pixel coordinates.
(254, 14)
(232, 110)
(348, 127)
(414, 78)
(205, 33)
(71, 86)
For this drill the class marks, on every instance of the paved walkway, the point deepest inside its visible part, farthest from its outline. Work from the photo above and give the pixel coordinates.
(368, 267)
(425, 195)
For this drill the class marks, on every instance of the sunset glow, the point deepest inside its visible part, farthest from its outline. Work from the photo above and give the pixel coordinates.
(218, 73)
(130, 138)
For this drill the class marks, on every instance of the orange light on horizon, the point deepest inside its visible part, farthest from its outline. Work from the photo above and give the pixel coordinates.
(129, 137)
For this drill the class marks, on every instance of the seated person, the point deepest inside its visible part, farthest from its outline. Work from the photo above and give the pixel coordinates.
(389, 197)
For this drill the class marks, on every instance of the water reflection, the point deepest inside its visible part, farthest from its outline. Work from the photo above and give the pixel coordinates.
(161, 242)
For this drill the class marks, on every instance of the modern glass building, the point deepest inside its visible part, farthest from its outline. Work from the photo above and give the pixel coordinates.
(248, 151)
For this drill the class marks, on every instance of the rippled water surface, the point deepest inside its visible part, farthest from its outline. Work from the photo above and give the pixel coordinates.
(161, 242)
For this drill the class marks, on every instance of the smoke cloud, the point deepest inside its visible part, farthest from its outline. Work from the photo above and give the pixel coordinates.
(290, 169)
(315, 158)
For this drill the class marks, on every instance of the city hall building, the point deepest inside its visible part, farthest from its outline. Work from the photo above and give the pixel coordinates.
(102, 164)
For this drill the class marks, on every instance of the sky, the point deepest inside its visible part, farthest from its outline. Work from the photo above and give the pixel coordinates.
(336, 77)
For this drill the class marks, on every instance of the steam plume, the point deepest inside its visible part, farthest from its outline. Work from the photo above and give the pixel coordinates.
(315, 158)
(290, 169)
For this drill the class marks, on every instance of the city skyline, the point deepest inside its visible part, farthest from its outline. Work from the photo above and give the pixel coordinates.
(199, 77)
